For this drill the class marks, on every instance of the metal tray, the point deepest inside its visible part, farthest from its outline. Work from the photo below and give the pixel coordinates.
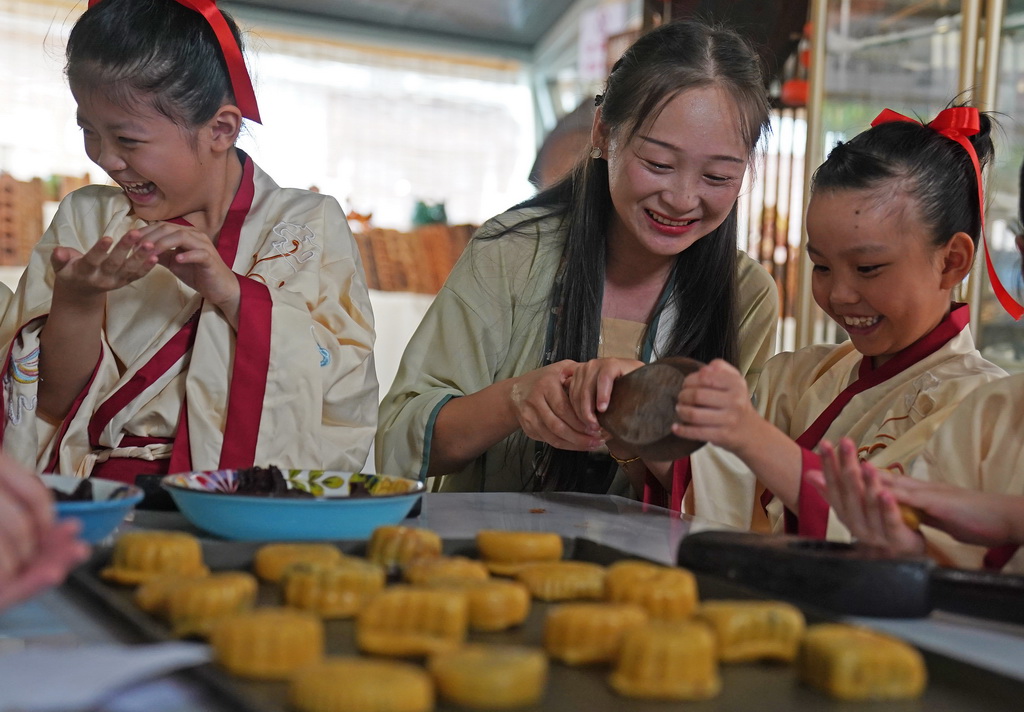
(765, 687)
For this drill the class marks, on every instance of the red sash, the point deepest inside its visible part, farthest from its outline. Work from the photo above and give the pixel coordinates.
(249, 370)
(813, 514)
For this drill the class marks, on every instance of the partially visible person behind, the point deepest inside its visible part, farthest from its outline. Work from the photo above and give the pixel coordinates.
(632, 255)
(195, 316)
(893, 221)
(562, 148)
(36, 551)
(967, 486)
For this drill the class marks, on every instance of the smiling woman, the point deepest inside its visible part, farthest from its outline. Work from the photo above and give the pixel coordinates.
(629, 258)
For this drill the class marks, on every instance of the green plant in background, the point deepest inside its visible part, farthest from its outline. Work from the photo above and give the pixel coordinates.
(428, 214)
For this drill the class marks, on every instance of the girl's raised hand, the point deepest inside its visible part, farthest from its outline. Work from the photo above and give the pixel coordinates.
(540, 401)
(714, 406)
(590, 388)
(104, 267)
(193, 258)
(861, 496)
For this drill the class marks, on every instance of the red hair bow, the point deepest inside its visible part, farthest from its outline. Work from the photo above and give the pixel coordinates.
(241, 83)
(957, 123)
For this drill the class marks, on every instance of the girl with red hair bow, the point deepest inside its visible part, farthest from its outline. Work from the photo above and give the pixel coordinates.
(966, 488)
(195, 315)
(893, 222)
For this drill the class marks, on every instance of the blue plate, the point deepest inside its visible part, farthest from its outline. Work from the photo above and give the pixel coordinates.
(209, 500)
(111, 503)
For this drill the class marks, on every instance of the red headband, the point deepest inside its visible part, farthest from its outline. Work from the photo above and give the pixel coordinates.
(241, 84)
(957, 123)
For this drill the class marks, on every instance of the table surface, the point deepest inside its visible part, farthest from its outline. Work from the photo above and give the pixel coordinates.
(56, 619)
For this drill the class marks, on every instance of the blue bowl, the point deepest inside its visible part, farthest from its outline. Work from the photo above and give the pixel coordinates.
(111, 503)
(210, 502)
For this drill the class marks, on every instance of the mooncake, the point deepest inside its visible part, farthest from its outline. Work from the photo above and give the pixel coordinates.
(851, 663)
(151, 596)
(352, 684)
(423, 571)
(665, 593)
(668, 661)
(332, 590)
(505, 552)
(494, 604)
(271, 560)
(490, 677)
(194, 605)
(405, 621)
(754, 630)
(267, 643)
(143, 555)
(563, 580)
(911, 516)
(394, 546)
(582, 633)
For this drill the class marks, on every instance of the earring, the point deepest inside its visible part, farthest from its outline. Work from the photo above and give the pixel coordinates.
(595, 152)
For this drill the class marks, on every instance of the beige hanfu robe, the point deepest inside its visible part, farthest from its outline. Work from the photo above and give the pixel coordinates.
(980, 447)
(831, 391)
(492, 321)
(176, 388)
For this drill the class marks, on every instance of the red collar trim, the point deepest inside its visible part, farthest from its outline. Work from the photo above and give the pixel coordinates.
(956, 321)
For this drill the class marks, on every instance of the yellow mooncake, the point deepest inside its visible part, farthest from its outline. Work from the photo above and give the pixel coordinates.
(394, 546)
(668, 661)
(152, 595)
(490, 677)
(563, 580)
(505, 552)
(351, 684)
(494, 604)
(406, 621)
(143, 555)
(271, 560)
(665, 593)
(754, 630)
(424, 571)
(194, 605)
(332, 590)
(582, 633)
(267, 643)
(851, 663)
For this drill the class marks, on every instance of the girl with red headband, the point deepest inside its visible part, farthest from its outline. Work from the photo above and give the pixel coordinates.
(195, 315)
(967, 486)
(893, 221)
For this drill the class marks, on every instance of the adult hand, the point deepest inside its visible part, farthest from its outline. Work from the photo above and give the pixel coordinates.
(540, 402)
(861, 497)
(35, 551)
(967, 515)
(714, 406)
(103, 268)
(590, 388)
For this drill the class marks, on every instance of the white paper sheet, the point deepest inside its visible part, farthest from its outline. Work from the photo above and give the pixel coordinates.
(44, 679)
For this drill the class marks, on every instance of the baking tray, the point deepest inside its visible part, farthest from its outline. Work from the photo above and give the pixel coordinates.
(954, 686)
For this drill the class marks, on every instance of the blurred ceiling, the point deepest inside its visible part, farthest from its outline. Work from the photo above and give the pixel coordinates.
(516, 25)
